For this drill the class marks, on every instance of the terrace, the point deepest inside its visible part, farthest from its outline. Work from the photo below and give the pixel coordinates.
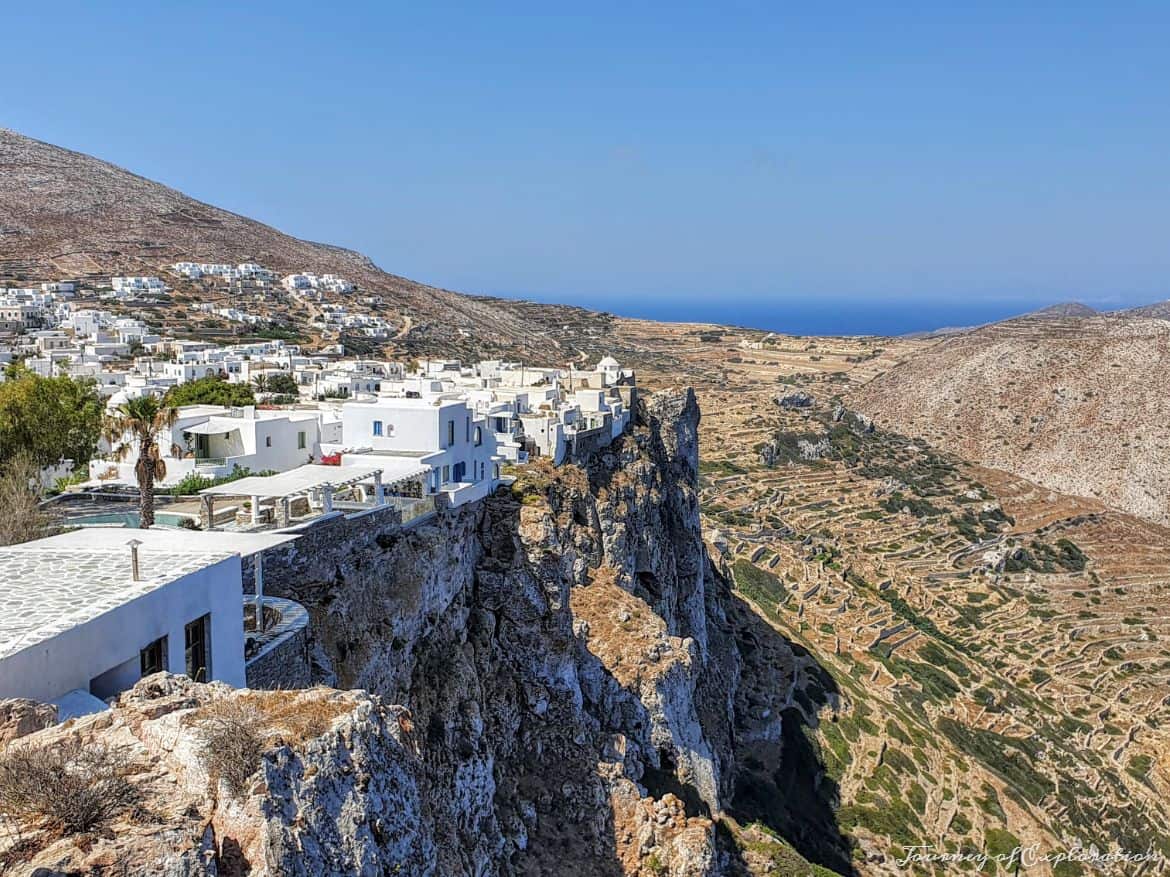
(301, 495)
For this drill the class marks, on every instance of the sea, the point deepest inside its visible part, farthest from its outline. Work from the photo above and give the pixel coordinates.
(811, 315)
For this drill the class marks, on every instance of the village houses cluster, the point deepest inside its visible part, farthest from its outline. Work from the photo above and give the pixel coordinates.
(87, 613)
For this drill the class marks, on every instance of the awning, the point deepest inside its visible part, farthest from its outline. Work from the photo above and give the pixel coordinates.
(295, 482)
(208, 428)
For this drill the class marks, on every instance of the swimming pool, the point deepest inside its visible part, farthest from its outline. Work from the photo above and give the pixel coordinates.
(124, 519)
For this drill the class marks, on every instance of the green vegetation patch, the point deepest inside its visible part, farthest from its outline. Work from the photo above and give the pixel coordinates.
(758, 585)
(1013, 759)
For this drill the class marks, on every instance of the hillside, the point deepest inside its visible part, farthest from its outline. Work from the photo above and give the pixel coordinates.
(1080, 405)
(1157, 311)
(851, 639)
(65, 214)
(997, 647)
(1068, 309)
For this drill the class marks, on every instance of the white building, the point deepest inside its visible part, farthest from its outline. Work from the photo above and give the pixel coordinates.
(243, 271)
(212, 441)
(441, 433)
(78, 622)
(303, 281)
(132, 286)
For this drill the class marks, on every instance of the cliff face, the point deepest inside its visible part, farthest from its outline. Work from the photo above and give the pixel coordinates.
(562, 652)
(579, 691)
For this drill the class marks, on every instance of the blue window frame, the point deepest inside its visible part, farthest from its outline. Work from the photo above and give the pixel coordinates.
(377, 427)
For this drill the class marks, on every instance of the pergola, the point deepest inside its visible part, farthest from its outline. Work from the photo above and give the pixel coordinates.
(309, 480)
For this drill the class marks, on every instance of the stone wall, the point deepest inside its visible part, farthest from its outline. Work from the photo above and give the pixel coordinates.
(318, 544)
(283, 660)
(588, 442)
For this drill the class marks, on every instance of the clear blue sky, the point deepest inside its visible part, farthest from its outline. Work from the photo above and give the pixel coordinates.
(646, 152)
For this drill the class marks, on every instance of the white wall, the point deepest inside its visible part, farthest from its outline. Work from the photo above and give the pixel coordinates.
(51, 668)
(417, 425)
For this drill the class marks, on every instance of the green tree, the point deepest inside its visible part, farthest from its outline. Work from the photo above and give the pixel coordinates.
(136, 425)
(210, 391)
(49, 419)
(282, 384)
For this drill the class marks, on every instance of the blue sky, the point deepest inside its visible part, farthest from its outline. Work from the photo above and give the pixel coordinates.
(774, 152)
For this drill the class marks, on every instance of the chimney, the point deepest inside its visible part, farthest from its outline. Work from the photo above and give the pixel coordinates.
(134, 543)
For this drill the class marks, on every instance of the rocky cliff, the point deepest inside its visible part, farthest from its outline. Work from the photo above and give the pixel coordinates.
(559, 680)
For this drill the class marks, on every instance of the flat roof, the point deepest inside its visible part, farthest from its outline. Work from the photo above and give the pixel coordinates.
(443, 400)
(294, 482)
(397, 466)
(155, 539)
(48, 590)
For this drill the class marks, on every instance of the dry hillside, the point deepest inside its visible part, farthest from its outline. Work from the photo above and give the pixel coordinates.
(1081, 406)
(66, 214)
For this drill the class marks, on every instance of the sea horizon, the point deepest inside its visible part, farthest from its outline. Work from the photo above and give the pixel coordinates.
(812, 316)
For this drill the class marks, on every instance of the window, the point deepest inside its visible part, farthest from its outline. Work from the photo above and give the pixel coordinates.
(377, 427)
(467, 429)
(478, 436)
(450, 432)
(267, 441)
(301, 440)
(153, 658)
(447, 472)
(196, 636)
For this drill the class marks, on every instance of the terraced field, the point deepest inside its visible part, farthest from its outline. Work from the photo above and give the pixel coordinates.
(1001, 653)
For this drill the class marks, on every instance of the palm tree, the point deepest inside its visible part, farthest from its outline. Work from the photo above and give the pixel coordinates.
(137, 423)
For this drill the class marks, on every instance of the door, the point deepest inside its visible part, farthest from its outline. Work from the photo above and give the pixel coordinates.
(197, 640)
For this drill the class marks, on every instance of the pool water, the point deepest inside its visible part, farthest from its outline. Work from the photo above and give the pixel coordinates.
(124, 519)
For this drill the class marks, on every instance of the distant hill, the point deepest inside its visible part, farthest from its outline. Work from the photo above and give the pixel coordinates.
(1078, 404)
(1157, 311)
(66, 214)
(1070, 309)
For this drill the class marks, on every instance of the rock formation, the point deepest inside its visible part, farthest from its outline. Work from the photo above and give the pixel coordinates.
(555, 680)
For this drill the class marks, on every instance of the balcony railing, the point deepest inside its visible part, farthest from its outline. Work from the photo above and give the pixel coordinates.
(210, 462)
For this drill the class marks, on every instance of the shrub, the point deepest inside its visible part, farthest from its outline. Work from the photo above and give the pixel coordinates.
(75, 786)
(191, 483)
(213, 390)
(231, 734)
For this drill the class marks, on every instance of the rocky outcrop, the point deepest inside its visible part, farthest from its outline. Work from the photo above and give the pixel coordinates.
(576, 688)
(334, 791)
(20, 717)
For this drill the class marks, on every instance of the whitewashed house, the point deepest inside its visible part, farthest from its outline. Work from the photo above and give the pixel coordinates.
(443, 434)
(134, 286)
(85, 615)
(212, 441)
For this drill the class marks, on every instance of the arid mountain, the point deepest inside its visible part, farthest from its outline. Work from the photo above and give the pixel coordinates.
(1157, 311)
(1065, 309)
(1078, 405)
(65, 214)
